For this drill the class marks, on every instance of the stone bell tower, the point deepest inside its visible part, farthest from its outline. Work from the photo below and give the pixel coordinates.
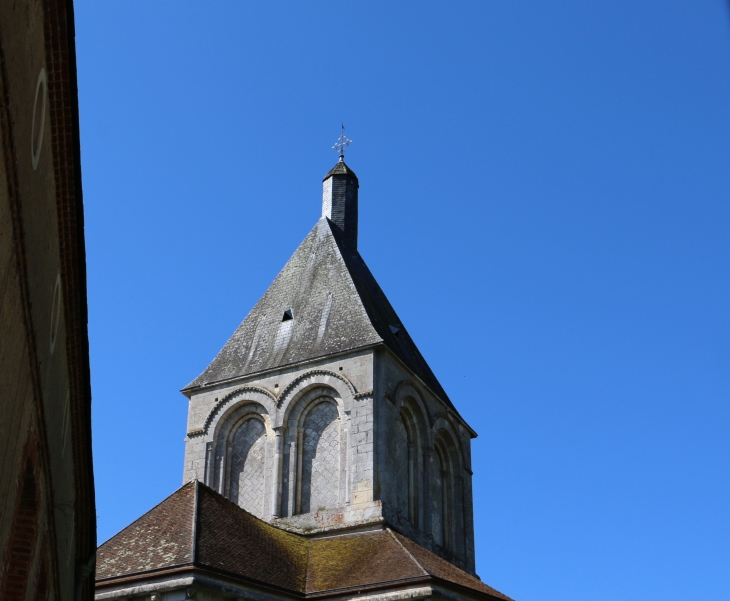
(323, 459)
(321, 415)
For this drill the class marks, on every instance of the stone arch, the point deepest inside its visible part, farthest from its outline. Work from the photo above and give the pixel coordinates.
(447, 493)
(409, 389)
(318, 485)
(409, 445)
(439, 497)
(314, 474)
(291, 395)
(399, 444)
(236, 452)
(294, 411)
(246, 473)
(414, 461)
(224, 406)
(444, 422)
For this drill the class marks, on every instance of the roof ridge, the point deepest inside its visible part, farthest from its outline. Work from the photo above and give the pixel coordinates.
(434, 573)
(383, 317)
(338, 249)
(331, 303)
(316, 268)
(400, 544)
(254, 525)
(143, 515)
(255, 517)
(194, 535)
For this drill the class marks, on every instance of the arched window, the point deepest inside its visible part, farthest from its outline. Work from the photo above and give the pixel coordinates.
(320, 458)
(247, 463)
(415, 472)
(406, 457)
(439, 498)
(400, 456)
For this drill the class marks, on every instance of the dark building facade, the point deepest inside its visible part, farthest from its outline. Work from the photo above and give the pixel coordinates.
(47, 512)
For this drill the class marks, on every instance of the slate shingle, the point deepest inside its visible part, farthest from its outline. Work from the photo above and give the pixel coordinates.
(337, 306)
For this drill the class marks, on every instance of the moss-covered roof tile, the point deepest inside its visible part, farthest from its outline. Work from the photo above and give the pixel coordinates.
(199, 528)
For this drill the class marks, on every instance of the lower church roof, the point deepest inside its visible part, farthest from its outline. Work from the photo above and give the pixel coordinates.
(197, 528)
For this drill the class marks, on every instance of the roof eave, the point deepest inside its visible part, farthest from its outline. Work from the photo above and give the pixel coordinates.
(449, 406)
(113, 583)
(190, 389)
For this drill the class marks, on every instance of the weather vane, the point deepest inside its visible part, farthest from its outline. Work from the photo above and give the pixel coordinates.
(342, 143)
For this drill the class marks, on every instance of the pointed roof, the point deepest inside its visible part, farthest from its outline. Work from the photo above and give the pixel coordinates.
(196, 527)
(336, 306)
(340, 168)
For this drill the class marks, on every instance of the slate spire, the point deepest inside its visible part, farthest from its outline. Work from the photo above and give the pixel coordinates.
(324, 302)
(339, 201)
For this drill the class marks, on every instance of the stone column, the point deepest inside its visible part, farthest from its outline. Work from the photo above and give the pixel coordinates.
(299, 447)
(426, 521)
(278, 471)
(208, 475)
(292, 475)
(224, 486)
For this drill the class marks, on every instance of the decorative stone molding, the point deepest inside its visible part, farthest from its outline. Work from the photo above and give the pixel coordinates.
(408, 388)
(305, 398)
(316, 376)
(364, 394)
(402, 385)
(443, 423)
(225, 400)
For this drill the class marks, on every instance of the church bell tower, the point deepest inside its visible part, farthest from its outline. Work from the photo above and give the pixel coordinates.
(323, 459)
(320, 414)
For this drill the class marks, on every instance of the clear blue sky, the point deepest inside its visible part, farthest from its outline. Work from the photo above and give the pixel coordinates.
(544, 198)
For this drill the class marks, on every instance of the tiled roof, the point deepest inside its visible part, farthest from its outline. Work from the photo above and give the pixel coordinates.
(442, 569)
(161, 538)
(336, 305)
(355, 560)
(198, 528)
(234, 541)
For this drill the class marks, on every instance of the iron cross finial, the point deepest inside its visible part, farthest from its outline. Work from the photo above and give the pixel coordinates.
(342, 143)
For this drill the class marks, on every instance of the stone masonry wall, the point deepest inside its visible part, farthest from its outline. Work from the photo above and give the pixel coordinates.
(321, 458)
(403, 403)
(248, 466)
(308, 461)
(335, 443)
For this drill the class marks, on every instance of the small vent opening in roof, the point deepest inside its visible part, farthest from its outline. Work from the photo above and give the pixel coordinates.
(287, 315)
(395, 330)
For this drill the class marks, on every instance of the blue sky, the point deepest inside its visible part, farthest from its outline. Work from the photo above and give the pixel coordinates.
(544, 198)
